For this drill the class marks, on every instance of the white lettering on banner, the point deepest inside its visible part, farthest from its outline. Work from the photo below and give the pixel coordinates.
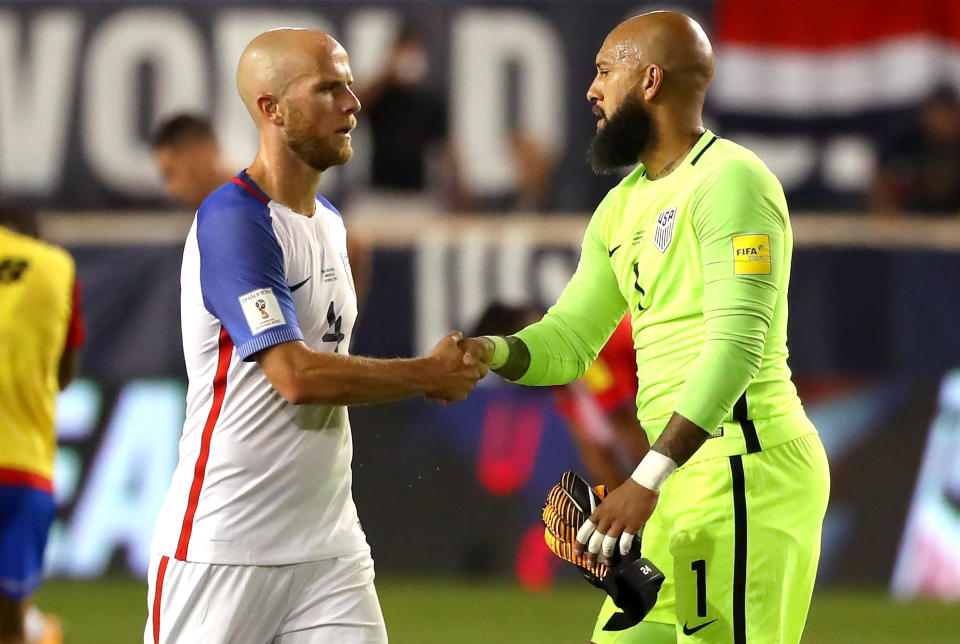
(36, 94)
(552, 273)
(173, 47)
(126, 485)
(370, 34)
(458, 276)
(848, 162)
(232, 32)
(471, 277)
(483, 120)
(844, 162)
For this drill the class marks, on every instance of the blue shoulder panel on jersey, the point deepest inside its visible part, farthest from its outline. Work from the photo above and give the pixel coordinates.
(329, 205)
(240, 254)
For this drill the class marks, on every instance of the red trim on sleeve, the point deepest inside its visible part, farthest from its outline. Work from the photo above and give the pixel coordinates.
(199, 470)
(21, 478)
(241, 182)
(76, 332)
(158, 592)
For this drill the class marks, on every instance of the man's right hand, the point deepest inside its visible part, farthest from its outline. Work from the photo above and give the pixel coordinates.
(452, 375)
(477, 350)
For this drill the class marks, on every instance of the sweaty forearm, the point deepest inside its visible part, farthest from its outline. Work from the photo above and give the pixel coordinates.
(680, 439)
(303, 376)
(332, 379)
(678, 442)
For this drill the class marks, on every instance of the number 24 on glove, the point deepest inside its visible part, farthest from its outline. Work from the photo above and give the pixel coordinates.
(633, 582)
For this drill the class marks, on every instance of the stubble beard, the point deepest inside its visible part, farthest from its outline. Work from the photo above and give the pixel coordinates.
(624, 136)
(318, 153)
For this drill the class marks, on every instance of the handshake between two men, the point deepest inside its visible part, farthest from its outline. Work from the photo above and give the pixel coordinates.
(458, 364)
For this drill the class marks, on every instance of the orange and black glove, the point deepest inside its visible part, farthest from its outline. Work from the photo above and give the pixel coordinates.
(632, 581)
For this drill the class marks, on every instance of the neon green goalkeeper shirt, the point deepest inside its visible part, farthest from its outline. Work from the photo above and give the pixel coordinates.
(701, 259)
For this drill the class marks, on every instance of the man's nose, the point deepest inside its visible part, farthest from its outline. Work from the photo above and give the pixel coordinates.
(353, 105)
(594, 94)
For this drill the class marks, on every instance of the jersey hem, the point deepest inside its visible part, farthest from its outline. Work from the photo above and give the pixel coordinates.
(257, 558)
(729, 439)
(14, 477)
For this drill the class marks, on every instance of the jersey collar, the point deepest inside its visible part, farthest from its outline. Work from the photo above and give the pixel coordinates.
(693, 156)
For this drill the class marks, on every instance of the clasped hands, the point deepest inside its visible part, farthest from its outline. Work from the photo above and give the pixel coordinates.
(455, 365)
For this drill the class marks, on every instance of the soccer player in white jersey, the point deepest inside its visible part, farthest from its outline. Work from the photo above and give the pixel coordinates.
(258, 539)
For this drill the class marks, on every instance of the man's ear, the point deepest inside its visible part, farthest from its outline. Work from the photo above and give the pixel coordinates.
(269, 107)
(651, 81)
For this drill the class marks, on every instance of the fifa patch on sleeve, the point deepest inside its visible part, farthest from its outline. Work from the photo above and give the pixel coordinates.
(261, 310)
(751, 254)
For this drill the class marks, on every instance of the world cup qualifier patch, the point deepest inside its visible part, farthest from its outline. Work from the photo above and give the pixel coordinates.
(261, 310)
(751, 254)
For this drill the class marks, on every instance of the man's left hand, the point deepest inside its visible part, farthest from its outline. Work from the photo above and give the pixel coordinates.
(617, 520)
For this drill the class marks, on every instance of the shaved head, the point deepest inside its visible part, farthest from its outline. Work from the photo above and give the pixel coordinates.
(296, 86)
(652, 77)
(673, 41)
(276, 58)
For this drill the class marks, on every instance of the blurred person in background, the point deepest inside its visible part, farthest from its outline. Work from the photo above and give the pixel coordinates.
(534, 166)
(600, 407)
(412, 160)
(696, 245)
(192, 166)
(189, 159)
(919, 172)
(41, 331)
(258, 538)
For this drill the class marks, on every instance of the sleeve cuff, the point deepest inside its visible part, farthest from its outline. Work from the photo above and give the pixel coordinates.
(269, 338)
(501, 351)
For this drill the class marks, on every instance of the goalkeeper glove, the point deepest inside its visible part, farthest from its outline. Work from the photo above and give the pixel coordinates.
(632, 581)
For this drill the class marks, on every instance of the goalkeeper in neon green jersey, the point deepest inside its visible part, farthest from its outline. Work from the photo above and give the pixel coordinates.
(696, 244)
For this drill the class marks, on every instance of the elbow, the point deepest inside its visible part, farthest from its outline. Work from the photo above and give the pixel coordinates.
(290, 386)
(300, 378)
(291, 390)
(745, 351)
(295, 395)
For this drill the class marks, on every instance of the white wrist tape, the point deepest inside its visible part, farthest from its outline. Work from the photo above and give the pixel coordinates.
(653, 470)
(501, 351)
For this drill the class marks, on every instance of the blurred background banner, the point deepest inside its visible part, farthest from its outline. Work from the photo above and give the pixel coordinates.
(817, 90)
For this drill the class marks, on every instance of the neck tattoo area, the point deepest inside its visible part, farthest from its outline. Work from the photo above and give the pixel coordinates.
(667, 169)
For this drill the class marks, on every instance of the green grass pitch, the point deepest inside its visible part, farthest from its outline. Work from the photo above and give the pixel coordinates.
(448, 611)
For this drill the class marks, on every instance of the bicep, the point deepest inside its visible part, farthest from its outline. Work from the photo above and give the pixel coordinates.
(243, 283)
(279, 363)
(740, 223)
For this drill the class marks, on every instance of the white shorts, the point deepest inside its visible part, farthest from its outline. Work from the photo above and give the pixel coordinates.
(330, 601)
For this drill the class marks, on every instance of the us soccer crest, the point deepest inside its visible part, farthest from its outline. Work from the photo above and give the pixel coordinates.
(663, 235)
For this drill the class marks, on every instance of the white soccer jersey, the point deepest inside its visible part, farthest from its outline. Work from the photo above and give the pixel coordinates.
(259, 480)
